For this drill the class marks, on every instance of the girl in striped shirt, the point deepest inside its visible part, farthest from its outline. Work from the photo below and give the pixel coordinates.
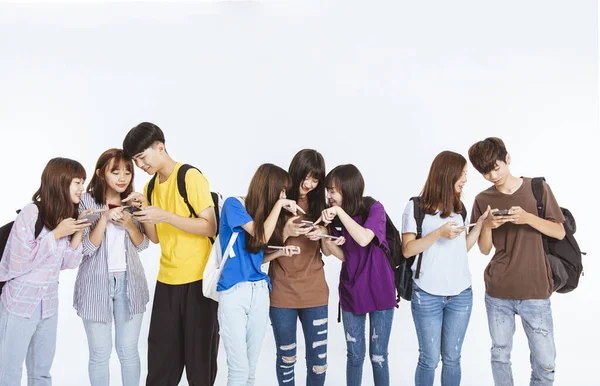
(111, 284)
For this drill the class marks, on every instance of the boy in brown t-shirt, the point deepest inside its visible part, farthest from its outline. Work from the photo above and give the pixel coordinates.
(518, 279)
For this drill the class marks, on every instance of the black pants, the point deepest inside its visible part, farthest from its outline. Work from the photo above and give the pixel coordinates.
(183, 332)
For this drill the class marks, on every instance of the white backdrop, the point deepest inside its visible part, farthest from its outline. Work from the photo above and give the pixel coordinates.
(384, 85)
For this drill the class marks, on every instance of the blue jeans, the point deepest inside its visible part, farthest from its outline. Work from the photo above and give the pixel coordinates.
(243, 318)
(380, 323)
(314, 326)
(441, 323)
(32, 340)
(127, 333)
(536, 316)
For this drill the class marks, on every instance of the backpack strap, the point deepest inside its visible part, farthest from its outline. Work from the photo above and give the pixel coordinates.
(368, 202)
(419, 217)
(151, 189)
(39, 223)
(181, 186)
(537, 186)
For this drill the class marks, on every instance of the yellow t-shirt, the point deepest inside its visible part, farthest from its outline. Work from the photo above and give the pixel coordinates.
(183, 255)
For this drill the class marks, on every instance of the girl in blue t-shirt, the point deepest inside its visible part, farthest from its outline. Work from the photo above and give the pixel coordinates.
(442, 298)
(244, 287)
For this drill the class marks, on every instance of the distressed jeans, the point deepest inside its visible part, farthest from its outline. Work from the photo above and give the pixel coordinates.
(536, 316)
(314, 326)
(380, 327)
(441, 324)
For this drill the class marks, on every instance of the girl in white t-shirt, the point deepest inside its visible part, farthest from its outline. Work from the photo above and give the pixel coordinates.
(442, 298)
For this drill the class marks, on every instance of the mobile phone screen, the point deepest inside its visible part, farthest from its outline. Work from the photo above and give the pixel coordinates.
(132, 209)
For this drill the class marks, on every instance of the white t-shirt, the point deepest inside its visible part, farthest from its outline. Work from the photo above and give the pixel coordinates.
(115, 239)
(445, 266)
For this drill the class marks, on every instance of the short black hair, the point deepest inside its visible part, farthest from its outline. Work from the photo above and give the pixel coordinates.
(141, 138)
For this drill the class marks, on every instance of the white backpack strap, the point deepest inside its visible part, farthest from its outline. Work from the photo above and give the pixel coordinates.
(229, 252)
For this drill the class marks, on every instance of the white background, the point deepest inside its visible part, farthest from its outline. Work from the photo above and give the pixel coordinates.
(385, 85)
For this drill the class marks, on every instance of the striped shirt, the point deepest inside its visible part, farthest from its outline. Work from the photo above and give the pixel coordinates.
(31, 266)
(91, 298)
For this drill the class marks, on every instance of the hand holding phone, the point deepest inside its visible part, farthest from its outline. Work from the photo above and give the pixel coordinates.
(501, 212)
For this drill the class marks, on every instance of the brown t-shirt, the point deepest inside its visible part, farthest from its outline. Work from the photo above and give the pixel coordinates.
(299, 281)
(519, 269)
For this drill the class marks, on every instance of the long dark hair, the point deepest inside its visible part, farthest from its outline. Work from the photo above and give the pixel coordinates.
(308, 163)
(53, 197)
(113, 159)
(439, 192)
(348, 180)
(266, 186)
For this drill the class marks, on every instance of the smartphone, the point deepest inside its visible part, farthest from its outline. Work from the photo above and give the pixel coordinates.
(91, 217)
(307, 223)
(112, 206)
(501, 212)
(278, 247)
(131, 209)
(459, 227)
(328, 236)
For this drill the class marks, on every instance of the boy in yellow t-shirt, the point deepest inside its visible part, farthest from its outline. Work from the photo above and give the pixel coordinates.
(183, 326)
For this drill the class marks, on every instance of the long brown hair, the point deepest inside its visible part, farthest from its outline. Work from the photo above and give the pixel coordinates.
(113, 159)
(265, 188)
(439, 192)
(53, 197)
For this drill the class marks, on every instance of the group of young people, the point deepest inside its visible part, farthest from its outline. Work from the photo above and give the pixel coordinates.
(289, 219)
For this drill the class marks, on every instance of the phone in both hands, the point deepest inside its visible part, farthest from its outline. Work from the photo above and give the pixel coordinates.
(501, 212)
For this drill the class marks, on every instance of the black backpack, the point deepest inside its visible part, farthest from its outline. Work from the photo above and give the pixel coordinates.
(5, 233)
(394, 253)
(405, 270)
(216, 197)
(564, 255)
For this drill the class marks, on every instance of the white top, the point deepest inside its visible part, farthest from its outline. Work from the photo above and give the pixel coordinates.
(445, 266)
(115, 239)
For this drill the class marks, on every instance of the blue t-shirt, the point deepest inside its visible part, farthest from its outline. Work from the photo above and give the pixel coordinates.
(245, 266)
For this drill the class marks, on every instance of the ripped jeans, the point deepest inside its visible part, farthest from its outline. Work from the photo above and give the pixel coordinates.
(536, 316)
(441, 324)
(380, 327)
(314, 326)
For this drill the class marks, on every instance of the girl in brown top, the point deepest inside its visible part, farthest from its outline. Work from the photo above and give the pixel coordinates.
(299, 286)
